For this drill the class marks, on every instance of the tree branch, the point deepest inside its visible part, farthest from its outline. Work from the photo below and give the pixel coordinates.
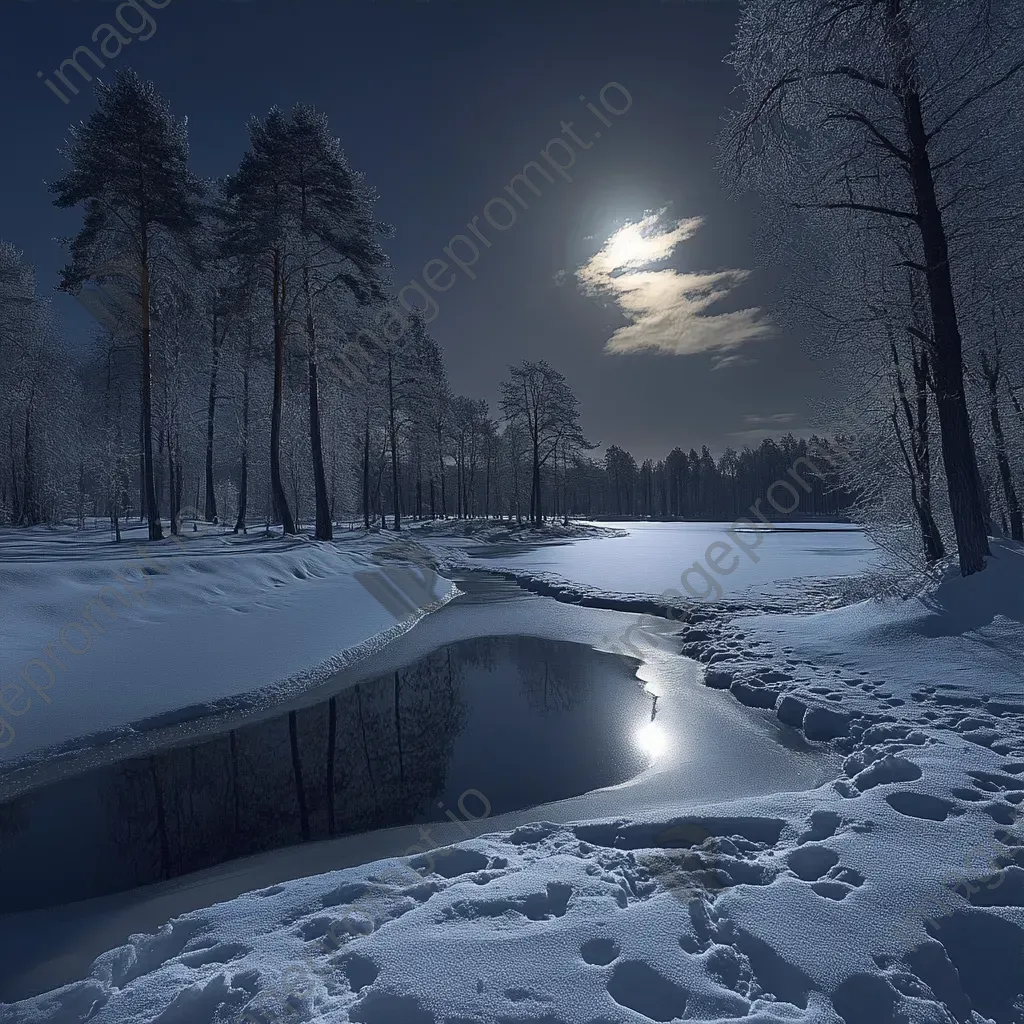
(863, 207)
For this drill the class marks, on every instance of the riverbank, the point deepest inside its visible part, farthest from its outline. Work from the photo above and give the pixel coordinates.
(102, 641)
(888, 887)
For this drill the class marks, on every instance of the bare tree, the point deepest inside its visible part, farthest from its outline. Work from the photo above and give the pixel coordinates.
(878, 108)
(991, 368)
(538, 396)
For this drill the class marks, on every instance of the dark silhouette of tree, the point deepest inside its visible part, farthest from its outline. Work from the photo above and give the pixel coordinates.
(129, 168)
(539, 397)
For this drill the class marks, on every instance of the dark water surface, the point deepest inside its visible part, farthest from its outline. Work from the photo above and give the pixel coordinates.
(474, 729)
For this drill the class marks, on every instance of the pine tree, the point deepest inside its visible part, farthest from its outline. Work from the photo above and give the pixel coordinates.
(129, 169)
(300, 213)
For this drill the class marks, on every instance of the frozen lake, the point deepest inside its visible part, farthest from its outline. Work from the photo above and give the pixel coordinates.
(699, 562)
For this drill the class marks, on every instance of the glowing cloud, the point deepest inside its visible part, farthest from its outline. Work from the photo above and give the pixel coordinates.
(668, 311)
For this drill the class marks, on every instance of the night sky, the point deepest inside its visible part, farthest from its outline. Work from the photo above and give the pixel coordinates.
(440, 104)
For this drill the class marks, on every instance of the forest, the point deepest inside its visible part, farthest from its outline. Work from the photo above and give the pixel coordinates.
(251, 365)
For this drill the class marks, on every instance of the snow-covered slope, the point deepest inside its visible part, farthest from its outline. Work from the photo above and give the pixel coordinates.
(96, 637)
(822, 906)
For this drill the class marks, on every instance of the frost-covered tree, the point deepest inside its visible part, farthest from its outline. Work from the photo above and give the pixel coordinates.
(128, 168)
(539, 397)
(887, 109)
(297, 210)
(39, 398)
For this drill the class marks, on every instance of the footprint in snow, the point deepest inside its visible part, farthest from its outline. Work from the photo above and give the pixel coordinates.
(640, 988)
(811, 862)
(888, 770)
(600, 951)
(919, 805)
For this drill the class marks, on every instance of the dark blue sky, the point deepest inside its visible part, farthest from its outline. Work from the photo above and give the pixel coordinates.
(440, 104)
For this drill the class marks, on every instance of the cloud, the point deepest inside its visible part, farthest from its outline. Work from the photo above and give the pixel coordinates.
(775, 419)
(774, 425)
(559, 278)
(724, 362)
(668, 311)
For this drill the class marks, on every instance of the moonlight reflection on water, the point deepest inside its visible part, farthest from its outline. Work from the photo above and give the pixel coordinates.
(487, 725)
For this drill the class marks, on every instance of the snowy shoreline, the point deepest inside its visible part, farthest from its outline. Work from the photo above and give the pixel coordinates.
(895, 890)
(297, 613)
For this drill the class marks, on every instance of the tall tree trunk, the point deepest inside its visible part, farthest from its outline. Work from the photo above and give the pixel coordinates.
(28, 505)
(143, 507)
(210, 510)
(158, 465)
(440, 469)
(152, 509)
(12, 448)
(324, 525)
(991, 369)
(243, 484)
(280, 499)
(179, 482)
(487, 487)
(934, 547)
(394, 444)
(419, 485)
(958, 452)
(463, 510)
(917, 456)
(300, 789)
(366, 469)
(535, 488)
(1009, 491)
(514, 457)
(171, 490)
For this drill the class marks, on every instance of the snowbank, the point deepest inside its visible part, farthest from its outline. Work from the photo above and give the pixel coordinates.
(823, 906)
(97, 638)
(952, 658)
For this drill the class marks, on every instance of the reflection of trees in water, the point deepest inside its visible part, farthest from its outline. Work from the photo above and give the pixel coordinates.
(406, 729)
(481, 653)
(554, 676)
(375, 754)
(14, 817)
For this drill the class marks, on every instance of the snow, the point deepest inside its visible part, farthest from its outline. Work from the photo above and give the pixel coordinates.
(107, 636)
(893, 890)
(966, 635)
(678, 561)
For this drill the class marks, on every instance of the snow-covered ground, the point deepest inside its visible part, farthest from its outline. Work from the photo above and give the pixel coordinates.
(892, 891)
(691, 563)
(100, 638)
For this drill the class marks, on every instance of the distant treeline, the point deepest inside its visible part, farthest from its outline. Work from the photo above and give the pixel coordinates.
(692, 485)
